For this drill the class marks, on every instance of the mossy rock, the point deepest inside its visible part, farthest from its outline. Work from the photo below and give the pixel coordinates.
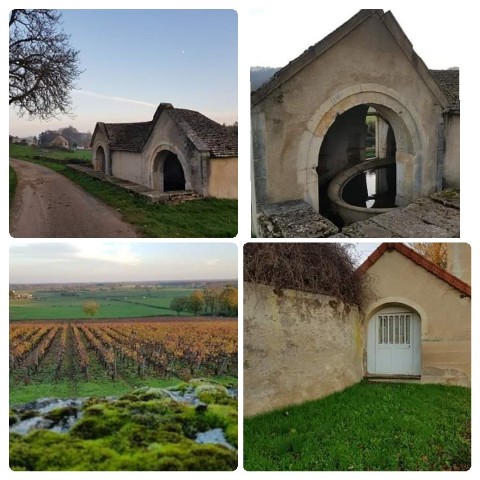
(94, 401)
(12, 418)
(28, 414)
(99, 421)
(46, 450)
(59, 414)
(149, 393)
(226, 418)
(213, 393)
(144, 430)
(160, 407)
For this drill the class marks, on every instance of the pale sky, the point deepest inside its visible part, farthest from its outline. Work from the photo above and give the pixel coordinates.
(136, 59)
(280, 34)
(91, 260)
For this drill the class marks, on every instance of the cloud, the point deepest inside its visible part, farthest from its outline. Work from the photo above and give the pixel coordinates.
(210, 262)
(115, 99)
(119, 253)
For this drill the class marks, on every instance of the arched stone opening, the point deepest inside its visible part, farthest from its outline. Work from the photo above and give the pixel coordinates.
(100, 159)
(336, 139)
(394, 341)
(167, 172)
(358, 136)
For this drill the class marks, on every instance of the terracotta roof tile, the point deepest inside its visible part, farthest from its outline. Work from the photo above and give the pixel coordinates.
(419, 260)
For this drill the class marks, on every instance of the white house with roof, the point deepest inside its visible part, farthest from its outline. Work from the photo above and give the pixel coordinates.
(177, 150)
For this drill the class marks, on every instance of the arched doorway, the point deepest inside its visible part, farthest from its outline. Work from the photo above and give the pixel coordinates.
(394, 342)
(100, 160)
(168, 174)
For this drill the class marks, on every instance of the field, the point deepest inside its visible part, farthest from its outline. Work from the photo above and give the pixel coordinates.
(114, 303)
(29, 152)
(77, 359)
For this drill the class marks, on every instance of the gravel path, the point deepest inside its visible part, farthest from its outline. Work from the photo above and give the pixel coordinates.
(48, 204)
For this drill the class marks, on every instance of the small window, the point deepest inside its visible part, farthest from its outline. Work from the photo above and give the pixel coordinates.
(394, 329)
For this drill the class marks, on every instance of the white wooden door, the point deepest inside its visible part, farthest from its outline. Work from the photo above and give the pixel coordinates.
(394, 343)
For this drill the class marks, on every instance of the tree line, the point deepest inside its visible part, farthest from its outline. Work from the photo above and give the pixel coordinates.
(209, 301)
(71, 134)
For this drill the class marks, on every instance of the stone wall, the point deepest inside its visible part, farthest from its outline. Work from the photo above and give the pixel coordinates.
(223, 177)
(451, 168)
(297, 347)
(127, 166)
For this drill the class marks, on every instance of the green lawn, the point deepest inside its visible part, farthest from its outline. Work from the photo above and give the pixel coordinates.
(209, 217)
(366, 427)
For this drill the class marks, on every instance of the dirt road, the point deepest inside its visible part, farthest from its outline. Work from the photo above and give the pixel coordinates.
(47, 204)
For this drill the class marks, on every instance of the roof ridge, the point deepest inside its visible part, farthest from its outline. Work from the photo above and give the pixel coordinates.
(318, 49)
(421, 261)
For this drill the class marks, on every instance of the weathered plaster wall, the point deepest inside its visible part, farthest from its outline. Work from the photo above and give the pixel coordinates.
(370, 64)
(223, 177)
(127, 166)
(444, 311)
(297, 347)
(459, 261)
(451, 171)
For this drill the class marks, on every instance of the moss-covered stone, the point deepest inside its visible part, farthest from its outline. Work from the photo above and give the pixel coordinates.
(99, 421)
(212, 393)
(59, 414)
(28, 414)
(12, 418)
(145, 430)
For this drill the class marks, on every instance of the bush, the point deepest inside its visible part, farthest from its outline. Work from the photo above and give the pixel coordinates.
(317, 268)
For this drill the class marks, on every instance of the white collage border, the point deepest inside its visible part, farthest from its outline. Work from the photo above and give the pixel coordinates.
(465, 35)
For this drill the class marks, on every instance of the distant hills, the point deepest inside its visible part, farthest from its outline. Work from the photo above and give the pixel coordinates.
(260, 75)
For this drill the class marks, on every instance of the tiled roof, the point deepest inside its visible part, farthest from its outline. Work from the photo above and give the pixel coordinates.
(449, 83)
(419, 260)
(130, 137)
(204, 133)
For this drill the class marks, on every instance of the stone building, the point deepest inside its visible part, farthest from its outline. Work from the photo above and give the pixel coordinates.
(309, 119)
(415, 327)
(177, 150)
(59, 141)
(418, 322)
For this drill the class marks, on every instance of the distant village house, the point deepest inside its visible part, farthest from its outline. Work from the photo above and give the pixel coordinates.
(59, 141)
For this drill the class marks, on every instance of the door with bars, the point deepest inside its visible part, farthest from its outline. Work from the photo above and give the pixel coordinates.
(394, 343)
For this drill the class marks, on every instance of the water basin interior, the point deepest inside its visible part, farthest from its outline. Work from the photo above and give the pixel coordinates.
(373, 188)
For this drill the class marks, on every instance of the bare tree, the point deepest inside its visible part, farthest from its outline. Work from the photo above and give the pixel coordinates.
(43, 65)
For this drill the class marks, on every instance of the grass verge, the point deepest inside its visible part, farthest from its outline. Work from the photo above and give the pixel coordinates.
(209, 217)
(12, 183)
(366, 427)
